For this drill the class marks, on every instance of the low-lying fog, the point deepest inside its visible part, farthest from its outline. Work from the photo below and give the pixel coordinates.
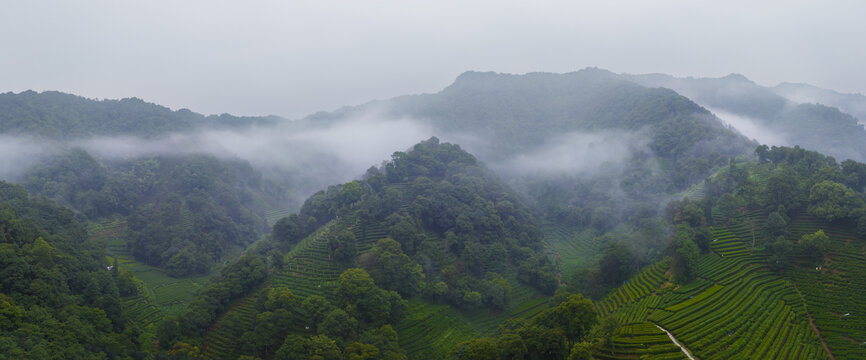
(309, 157)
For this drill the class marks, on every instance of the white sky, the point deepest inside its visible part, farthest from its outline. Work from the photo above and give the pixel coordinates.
(293, 57)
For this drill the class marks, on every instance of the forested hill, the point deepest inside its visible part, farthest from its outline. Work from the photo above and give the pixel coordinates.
(59, 294)
(433, 224)
(588, 148)
(53, 114)
(511, 114)
(811, 124)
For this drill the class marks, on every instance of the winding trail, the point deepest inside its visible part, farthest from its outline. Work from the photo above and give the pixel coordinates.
(683, 348)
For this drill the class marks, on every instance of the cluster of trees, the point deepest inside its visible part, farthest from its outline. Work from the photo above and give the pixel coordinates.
(183, 212)
(796, 180)
(617, 263)
(58, 297)
(566, 330)
(358, 325)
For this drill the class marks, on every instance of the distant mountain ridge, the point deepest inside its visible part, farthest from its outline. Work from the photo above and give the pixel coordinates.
(53, 114)
(514, 114)
(854, 104)
(799, 119)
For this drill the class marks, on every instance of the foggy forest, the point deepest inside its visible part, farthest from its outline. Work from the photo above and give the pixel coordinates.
(340, 181)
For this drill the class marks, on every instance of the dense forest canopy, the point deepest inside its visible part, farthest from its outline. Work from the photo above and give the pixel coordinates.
(183, 212)
(444, 211)
(60, 298)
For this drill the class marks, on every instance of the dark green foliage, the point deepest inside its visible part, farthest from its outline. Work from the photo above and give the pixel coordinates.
(476, 349)
(780, 251)
(815, 245)
(617, 264)
(549, 335)
(776, 224)
(451, 221)
(342, 247)
(684, 255)
(833, 201)
(394, 270)
(783, 189)
(581, 351)
(57, 298)
(288, 326)
(368, 303)
(183, 212)
(539, 271)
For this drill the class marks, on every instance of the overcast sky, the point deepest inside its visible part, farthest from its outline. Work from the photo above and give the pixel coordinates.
(292, 58)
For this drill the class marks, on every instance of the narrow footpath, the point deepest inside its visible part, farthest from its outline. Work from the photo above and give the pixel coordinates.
(815, 328)
(683, 348)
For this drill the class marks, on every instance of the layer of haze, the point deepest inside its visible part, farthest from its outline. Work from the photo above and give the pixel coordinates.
(576, 153)
(292, 58)
(306, 158)
(751, 128)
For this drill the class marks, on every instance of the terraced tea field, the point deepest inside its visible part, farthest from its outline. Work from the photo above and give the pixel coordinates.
(221, 341)
(429, 331)
(735, 309)
(159, 294)
(572, 249)
(309, 270)
(834, 287)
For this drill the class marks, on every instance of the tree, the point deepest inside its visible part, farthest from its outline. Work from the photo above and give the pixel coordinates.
(342, 246)
(782, 188)
(575, 317)
(321, 347)
(617, 264)
(581, 351)
(361, 351)
(511, 346)
(472, 299)
(294, 348)
(775, 224)
(339, 325)
(831, 200)
(815, 245)
(475, 349)
(394, 270)
(780, 253)
(684, 256)
(354, 284)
